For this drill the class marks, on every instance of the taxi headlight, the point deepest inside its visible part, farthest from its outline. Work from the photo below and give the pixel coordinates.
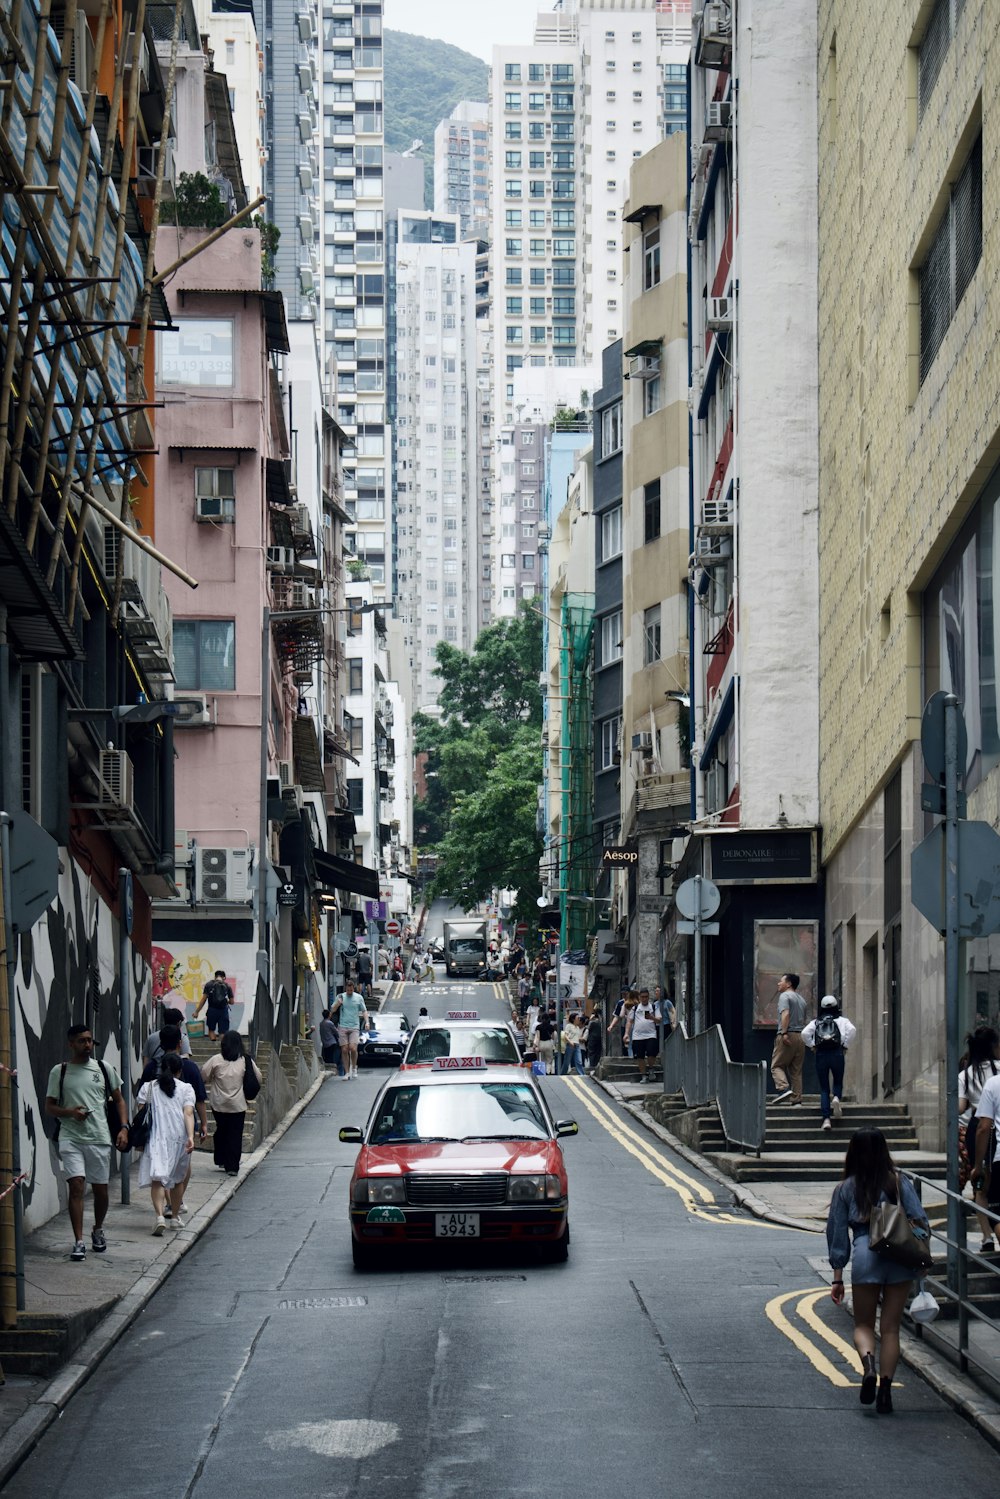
(533, 1189)
(379, 1189)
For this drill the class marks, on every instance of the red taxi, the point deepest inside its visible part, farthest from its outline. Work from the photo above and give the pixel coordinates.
(462, 1152)
(462, 1034)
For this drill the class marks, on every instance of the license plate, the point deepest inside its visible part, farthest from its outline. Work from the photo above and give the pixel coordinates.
(382, 1051)
(456, 1225)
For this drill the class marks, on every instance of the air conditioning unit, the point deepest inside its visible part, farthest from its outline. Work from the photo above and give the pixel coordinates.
(281, 559)
(302, 596)
(644, 367)
(717, 22)
(215, 508)
(114, 795)
(182, 861)
(223, 875)
(643, 742)
(709, 549)
(193, 711)
(717, 516)
(293, 796)
(286, 773)
(301, 520)
(717, 120)
(719, 313)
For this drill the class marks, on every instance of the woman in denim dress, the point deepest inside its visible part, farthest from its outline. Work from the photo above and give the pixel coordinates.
(870, 1178)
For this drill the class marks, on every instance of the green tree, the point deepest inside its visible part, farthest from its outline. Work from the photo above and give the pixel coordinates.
(484, 765)
(197, 203)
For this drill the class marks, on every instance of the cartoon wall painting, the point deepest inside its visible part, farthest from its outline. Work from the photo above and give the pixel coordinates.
(181, 971)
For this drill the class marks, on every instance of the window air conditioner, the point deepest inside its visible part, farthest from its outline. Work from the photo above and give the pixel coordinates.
(713, 548)
(644, 367)
(114, 796)
(303, 597)
(717, 120)
(719, 313)
(716, 22)
(214, 507)
(223, 875)
(642, 742)
(281, 559)
(716, 515)
(193, 711)
(286, 773)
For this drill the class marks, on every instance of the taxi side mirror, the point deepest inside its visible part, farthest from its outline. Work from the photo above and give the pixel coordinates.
(351, 1135)
(564, 1127)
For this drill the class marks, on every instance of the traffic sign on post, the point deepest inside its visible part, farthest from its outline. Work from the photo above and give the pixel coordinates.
(687, 898)
(34, 871)
(932, 737)
(978, 878)
(392, 928)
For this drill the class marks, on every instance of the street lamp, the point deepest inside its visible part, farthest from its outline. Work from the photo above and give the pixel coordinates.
(270, 615)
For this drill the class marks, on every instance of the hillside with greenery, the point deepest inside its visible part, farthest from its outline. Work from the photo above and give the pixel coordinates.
(424, 80)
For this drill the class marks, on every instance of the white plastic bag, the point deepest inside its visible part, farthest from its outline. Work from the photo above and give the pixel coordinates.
(923, 1307)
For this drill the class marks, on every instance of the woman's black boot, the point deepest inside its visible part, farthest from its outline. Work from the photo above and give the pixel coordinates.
(883, 1404)
(870, 1379)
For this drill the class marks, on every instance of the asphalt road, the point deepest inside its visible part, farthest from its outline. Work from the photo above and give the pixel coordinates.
(683, 1349)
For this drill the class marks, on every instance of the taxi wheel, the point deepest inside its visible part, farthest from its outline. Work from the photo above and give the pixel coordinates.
(363, 1257)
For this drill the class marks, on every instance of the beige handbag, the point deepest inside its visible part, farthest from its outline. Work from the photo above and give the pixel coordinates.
(890, 1234)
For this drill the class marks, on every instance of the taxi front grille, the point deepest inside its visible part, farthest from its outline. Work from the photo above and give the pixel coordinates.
(457, 1191)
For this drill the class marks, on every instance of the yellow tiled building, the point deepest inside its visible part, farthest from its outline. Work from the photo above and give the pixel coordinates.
(909, 405)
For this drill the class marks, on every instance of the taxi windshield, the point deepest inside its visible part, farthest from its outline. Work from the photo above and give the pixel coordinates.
(483, 1111)
(492, 1043)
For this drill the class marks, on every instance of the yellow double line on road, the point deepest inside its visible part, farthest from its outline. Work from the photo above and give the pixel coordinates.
(695, 1196)
(809, 1343)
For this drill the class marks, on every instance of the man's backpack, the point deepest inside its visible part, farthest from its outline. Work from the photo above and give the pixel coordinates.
(827, 1032)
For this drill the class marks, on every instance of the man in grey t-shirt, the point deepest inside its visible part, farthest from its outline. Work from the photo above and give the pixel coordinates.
(789, 1048)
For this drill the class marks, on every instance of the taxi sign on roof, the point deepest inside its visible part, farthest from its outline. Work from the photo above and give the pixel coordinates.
(458, 1064)
(462, 1015)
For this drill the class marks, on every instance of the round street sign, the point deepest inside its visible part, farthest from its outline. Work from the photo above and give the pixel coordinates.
(392, 928)
(932, 737)
(351, 949)
(686, 896)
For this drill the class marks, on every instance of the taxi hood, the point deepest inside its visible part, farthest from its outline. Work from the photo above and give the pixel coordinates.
(451, 1157)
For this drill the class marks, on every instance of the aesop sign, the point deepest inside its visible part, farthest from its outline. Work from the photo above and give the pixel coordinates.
(623, 854)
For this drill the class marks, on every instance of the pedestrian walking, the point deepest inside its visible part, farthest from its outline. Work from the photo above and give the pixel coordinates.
(153, 1049)
(572, 1036)
(644, 1032)
(76, 1096)
(351, 1014)
(828, 1037)
(218, 996)
(329, 1041)
(224, 1076)
(622, 1018)
(165, 1160)
(870, 1177)
(531, 1021)
(365, 972)
(986, 1135)
(595, 1040)
(789, 1048)
(544, 1039)
(171, 1038)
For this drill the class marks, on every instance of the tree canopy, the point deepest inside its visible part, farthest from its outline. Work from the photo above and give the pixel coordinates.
(483, 766)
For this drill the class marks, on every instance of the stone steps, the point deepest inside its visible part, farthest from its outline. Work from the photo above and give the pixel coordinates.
(41, 1343)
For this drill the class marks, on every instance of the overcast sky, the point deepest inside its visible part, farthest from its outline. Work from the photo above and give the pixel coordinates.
(472, 24)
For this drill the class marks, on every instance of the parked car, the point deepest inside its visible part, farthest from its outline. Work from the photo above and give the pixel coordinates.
(466, 1154)
(385, 1041)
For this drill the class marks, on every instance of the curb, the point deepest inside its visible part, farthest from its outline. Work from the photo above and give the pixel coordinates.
(20, 1438)
(746, 1199)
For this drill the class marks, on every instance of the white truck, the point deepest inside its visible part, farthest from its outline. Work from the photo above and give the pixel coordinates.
(465, 948)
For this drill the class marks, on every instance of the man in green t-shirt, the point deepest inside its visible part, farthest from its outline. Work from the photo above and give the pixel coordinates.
(75, 1096)
(347, 1010)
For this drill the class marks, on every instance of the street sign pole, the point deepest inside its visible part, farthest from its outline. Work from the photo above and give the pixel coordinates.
(698, 1026)
(951, 975)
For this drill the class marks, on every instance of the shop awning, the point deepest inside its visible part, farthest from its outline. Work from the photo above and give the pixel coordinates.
(344, 874)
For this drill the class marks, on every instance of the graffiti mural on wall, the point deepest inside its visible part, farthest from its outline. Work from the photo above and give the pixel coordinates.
(181, 971)
(67, 973)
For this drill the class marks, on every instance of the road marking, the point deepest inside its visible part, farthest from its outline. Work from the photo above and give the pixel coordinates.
(775, 1311)
(686, 1187)
(807, 1311)
(354, 1439)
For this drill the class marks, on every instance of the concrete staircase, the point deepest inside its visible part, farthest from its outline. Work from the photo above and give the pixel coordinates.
(201, 1050)
(41, 1343)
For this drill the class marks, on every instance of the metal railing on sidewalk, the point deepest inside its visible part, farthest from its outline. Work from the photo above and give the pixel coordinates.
(701, 1068)
(953, 1287)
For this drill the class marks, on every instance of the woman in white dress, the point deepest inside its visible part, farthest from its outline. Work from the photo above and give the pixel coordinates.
(163, 1167)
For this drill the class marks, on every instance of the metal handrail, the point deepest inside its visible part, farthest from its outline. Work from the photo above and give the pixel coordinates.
(957, 1285)
(701, 1068)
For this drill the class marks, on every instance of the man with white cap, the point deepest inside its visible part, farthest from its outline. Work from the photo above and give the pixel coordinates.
(829, 1036)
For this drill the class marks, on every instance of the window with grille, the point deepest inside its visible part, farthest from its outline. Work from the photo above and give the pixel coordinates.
(651, 511)
(951, 261)
(934, 47)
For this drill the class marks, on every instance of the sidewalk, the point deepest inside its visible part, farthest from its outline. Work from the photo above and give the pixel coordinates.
(114, 1286)
(804, 1205)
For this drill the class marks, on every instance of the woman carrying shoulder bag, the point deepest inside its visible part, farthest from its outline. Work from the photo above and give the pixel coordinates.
(225, 1075)
(870, 1178)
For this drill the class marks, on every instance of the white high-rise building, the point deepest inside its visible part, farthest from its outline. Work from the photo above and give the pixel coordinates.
(436, 445)
(598, 88)
(353, 263)
(462, 166)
